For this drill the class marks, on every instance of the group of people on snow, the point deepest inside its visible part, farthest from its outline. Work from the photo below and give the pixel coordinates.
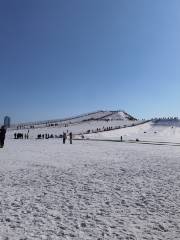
(64, 136)
(47, 136)
(21, 136)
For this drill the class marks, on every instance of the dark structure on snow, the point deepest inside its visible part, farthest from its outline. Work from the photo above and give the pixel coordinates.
(7, 122)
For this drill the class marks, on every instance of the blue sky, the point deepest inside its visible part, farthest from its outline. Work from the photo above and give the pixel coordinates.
(64, 57)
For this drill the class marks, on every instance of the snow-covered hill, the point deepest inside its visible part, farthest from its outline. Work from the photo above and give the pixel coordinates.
(156, 130)
(105, 125)
(96, 116)
(91, 122)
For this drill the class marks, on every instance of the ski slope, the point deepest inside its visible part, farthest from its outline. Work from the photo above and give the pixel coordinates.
(96, 116)
(77, 125)
(164, 130)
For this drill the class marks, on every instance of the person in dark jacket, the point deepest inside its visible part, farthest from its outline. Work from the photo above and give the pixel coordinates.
(64, 137)
(2, 136)
(70, 137)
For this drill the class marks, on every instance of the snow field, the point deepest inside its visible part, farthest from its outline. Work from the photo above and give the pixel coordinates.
(89, 190)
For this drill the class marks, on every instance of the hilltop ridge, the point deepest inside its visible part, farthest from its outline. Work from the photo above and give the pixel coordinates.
(103, 115)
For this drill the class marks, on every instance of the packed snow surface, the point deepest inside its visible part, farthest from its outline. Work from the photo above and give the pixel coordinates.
(89, 190)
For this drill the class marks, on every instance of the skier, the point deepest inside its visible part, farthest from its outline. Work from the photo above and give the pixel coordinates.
(64, 137)
(121, 138)
(2, 136)
(70, 137)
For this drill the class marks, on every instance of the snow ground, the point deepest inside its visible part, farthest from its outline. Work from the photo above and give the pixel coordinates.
(89, 190)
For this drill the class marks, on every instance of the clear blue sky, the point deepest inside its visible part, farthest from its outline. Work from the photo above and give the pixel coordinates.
(64, 57)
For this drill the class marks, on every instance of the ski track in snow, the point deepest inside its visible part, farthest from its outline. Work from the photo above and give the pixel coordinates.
(89, 190)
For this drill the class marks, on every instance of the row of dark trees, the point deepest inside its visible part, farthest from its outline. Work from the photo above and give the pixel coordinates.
(165, 118)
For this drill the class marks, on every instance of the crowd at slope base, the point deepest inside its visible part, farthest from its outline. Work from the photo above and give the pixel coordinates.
(64, 136)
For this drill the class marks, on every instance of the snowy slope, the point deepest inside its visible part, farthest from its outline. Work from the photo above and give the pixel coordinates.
(119, 115)
(121, 124)
(96, 116)
(100, 120)
(161, 130)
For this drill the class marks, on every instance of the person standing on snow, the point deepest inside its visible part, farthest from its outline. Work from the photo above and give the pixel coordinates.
(2, 136)
(70, 137)
(64, 137)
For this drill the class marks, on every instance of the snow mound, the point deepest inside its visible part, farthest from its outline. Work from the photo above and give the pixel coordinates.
(93, 116)
(82, 124)
(119, 115)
